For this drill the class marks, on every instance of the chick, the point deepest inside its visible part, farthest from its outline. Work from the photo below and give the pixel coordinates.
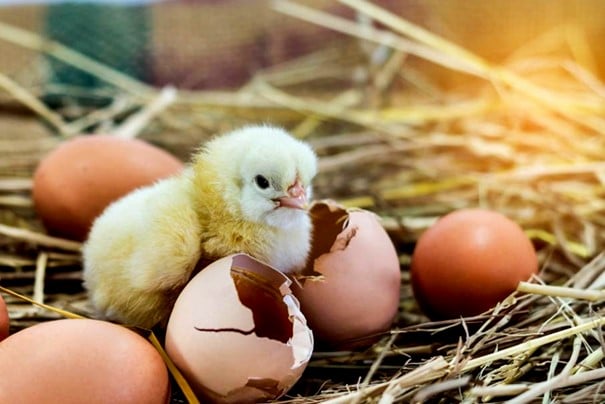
(245, 191)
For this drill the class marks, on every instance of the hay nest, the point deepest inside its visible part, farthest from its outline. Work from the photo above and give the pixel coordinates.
(525, 139)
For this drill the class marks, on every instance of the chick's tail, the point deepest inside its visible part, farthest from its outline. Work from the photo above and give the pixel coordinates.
(141, 251)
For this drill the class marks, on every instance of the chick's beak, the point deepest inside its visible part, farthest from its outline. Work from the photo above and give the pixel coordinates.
(296, 197)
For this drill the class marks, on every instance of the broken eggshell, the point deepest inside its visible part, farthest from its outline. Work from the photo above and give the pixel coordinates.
(350, 290)
(237, 334)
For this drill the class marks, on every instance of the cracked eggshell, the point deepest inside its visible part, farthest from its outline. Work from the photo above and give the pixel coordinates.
(237, 334)
(77, 180)
(350, 290)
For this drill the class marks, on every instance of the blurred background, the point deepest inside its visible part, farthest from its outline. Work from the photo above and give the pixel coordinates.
(210, 44)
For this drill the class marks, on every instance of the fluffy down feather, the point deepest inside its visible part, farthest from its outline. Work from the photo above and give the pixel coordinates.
(243, 192)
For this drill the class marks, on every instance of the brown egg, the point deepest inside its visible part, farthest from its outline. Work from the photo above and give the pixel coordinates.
(81, 361)
(468, 261)
(4, 320)
(237, 334)
(350, 291)
(78, 179)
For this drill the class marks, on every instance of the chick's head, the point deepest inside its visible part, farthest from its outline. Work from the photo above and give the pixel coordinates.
(266, 173)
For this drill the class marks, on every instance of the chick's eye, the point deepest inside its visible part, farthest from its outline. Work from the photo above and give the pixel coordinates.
(261, 181)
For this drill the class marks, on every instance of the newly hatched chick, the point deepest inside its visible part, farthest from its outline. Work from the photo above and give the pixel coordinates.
(245, 191)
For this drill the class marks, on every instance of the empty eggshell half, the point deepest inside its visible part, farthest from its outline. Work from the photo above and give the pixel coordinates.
(237, 334)
(350, 289)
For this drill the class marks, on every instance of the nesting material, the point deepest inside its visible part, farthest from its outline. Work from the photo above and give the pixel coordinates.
(523, 138)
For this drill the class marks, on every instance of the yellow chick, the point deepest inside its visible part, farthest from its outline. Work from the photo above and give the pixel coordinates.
(245, 191)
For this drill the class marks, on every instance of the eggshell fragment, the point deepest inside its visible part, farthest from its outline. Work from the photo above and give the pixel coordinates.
(468, 261)
(76, 181)
(81, 361)
(351, 288)
(237, 334)
(4, 319)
